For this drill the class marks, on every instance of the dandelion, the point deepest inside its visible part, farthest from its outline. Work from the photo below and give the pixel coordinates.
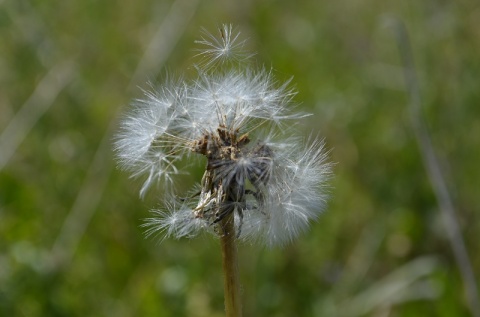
(261, 183)
(238, 119)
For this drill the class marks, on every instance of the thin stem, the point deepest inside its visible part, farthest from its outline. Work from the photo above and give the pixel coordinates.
(233, 307)
(39, 102)
(164, 39)
(435, 174)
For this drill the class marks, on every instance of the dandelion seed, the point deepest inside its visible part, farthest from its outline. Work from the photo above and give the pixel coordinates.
(226, 48)
(240, 120)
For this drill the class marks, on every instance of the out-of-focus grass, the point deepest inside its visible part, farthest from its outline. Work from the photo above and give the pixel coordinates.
(69, 221)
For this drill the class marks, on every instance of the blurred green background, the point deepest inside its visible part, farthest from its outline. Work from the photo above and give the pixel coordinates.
(70, 236)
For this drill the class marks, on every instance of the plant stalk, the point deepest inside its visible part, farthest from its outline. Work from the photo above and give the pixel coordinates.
(231, 282)
(435, 173)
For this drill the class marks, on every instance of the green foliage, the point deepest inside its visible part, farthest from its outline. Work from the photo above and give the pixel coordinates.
(70, 222)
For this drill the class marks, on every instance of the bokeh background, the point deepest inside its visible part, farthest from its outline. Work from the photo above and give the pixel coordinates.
(70, 237)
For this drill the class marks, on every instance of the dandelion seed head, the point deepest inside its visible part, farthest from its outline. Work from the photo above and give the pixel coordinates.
(240, 120)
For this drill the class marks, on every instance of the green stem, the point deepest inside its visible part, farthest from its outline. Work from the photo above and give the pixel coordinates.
(233, 307)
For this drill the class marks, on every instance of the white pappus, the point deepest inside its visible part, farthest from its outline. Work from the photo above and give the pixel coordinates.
(241, 120)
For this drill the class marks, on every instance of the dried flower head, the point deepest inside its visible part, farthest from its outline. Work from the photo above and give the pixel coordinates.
(241, 121)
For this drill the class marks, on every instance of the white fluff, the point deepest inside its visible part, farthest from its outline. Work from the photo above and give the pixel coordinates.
(282, 179)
